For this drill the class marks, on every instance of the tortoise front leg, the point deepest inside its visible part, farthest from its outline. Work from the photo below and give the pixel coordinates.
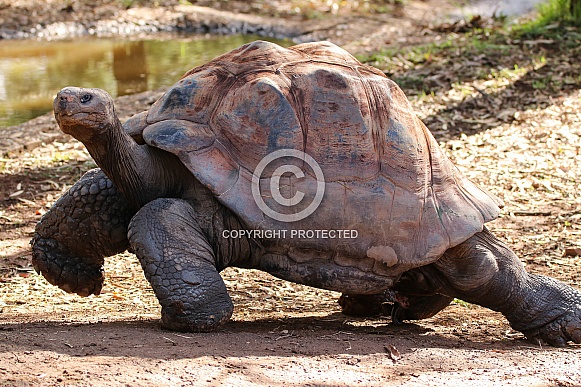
(171, 243)
(88, 223)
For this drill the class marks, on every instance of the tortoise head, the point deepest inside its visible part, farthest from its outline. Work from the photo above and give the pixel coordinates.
(84, 113)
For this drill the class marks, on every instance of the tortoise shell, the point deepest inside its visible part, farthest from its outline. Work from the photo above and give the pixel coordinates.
(382, 172)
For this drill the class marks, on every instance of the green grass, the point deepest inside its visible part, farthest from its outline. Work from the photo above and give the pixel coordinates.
(127, 3)
(552, 14)
(60, 158)
(462, 303)
(409, 66)
(475, 43)
(390, 56)
(560, 10)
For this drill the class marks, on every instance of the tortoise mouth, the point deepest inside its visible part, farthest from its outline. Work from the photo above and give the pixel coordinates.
(71, 115)
(67, 120)
(67, 271)
(82, 125)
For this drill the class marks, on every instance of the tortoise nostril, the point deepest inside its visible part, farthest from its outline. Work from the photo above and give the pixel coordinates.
(65, 98)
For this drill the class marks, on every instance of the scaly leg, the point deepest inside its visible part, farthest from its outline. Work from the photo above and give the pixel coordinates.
(172, 243)
(86, 224)
(484, 271)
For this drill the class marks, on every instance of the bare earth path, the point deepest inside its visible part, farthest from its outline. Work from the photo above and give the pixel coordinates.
(521, 142)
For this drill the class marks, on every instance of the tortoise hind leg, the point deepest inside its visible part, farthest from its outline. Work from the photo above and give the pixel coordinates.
(412, 298)
(365, 305)
(419, 307)
(484, 271)
(400, 305)
(418, 300)
(88, 223)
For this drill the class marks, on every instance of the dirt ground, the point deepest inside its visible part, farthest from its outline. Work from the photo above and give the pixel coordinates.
(504, 131)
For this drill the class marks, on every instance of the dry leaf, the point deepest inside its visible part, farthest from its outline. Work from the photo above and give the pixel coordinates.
(572, 251)
(117, 296)
(26, 201)
(392, 352)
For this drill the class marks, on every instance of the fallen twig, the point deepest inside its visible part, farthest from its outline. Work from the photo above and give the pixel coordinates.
(532, 213)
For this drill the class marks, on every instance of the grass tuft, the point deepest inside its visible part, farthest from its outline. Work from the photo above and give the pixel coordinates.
(551, 15)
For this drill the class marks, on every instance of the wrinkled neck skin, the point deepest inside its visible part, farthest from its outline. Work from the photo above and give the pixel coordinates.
(140, 172)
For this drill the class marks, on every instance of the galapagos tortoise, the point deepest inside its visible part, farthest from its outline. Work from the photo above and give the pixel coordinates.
(298, 161)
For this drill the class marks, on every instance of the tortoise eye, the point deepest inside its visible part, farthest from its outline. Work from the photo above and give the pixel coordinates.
(85, 98)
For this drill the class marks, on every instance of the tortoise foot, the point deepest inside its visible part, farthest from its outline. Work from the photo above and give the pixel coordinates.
(559, 331)
(64, 268)
(175, 318)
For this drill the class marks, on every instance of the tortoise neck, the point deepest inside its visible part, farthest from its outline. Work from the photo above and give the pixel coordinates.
(140, 172)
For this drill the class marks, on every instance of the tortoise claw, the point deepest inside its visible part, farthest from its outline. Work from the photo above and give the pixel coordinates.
(559, 331)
